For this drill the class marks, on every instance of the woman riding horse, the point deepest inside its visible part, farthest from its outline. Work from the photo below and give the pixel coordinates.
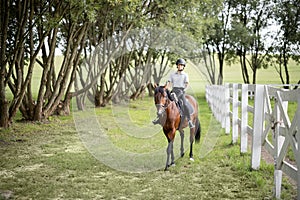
(179, 81)
(169, 114)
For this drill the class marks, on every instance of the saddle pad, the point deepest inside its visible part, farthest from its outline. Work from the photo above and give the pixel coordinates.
(189, 107)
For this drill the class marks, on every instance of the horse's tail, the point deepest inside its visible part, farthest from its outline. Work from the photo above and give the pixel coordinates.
(198, 130)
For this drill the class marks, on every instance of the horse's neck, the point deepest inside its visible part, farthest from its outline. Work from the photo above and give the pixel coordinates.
(171, 107)
(169, 103)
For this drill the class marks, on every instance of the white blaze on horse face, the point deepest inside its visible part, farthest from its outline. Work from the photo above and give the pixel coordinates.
(160, 103)
(160, 109)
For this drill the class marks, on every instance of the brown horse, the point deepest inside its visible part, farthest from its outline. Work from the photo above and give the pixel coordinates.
(170, 119)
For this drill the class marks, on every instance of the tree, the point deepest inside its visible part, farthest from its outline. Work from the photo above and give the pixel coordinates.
(216, 41)
(100, 73)
(26, 25)
(260, 14)
(287, 16)
(120, 70)
(18, 54)
(54, 92)
(249, 19)
(32, 31)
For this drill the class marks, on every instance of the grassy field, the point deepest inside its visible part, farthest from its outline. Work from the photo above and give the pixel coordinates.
(50, 161)
(233, 74)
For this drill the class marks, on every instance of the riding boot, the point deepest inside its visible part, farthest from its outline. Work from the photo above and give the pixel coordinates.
(156, 121)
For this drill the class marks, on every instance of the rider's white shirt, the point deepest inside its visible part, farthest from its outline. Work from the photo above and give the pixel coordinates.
(179, 80)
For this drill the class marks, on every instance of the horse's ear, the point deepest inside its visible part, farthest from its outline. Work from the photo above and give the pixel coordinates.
(166, 86)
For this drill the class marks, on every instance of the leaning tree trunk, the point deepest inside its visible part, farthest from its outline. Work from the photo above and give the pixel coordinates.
(150, 88)
(244, 67)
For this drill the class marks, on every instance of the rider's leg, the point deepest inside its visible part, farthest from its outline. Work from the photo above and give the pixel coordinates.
(191, 125)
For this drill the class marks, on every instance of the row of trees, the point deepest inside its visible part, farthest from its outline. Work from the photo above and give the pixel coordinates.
(116, 49)
(257, 34)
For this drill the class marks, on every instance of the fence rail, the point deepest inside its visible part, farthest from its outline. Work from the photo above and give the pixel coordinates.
(270, 125)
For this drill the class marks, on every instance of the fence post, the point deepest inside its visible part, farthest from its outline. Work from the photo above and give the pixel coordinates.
(223, 107)
(227, 108)
(277, 172)
(258, 119)
(278, 143)
(244, 119)
(218, 103)
(235, 113)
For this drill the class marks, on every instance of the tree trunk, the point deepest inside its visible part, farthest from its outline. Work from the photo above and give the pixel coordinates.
(4, 10)
(63, 107)
(4, 117)
(40, 100)
(70, 60)
(285, 65)
(150, 89)
(254, 75)
(244, 67)
(221, 65)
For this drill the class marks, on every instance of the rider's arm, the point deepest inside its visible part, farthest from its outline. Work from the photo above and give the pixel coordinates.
(186, 82)
(168, 84)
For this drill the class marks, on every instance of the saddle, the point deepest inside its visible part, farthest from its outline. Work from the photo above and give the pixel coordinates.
(183, 110)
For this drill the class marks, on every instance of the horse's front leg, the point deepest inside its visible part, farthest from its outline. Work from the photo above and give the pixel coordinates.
(182, 142)
(192, 137)
(170, 153)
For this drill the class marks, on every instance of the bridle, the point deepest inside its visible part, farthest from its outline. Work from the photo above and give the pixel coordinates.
(163, 107)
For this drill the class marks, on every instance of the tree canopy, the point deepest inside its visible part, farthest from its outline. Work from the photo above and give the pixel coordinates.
(109, 54)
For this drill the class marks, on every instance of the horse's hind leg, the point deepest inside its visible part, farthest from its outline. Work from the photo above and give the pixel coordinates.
(182, 142)
(191, 143)
(191, 152)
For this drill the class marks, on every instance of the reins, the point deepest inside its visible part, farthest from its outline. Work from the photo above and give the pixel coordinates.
(166, 105)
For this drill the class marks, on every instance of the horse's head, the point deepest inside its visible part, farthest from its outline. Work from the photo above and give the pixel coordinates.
(160, 99)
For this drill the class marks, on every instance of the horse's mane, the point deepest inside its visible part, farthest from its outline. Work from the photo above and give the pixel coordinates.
(161, 89)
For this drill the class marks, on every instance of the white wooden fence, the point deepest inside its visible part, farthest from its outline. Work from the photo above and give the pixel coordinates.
(270, 126)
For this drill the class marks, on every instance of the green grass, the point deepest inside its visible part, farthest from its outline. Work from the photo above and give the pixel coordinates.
(49, 161)
(233, 74)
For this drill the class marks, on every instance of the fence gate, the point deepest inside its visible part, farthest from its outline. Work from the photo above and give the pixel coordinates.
(271, 125)
(286, 134)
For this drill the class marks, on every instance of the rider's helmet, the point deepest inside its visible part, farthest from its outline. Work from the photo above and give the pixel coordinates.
(180, 61)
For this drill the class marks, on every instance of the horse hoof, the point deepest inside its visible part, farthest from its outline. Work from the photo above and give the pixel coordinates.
(171, 165)
(192, 159)
(182, 154)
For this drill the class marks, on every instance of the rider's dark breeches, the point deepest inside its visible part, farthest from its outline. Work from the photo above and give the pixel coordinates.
(181, 96)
